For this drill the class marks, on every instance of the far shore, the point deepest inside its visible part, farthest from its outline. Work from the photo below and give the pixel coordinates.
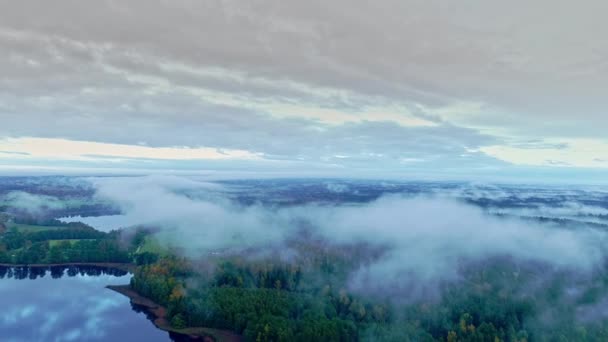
(159, 315)
(127, 267)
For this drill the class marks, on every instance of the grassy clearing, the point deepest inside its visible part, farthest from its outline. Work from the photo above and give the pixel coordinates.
(151, 245)
(72, 241)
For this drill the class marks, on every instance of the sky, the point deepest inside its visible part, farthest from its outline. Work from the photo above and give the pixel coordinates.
(400, 89)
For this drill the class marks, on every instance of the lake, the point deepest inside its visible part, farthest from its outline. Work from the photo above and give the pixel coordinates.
(69, 304)
(104, 223)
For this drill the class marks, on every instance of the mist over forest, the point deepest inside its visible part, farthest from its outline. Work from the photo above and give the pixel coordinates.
(390, 260)
(278, 171)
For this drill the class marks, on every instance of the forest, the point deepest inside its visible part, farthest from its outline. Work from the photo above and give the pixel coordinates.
(56, 242)
(308, 299)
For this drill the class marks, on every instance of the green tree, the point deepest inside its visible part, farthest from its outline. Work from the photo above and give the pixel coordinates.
(178, 321)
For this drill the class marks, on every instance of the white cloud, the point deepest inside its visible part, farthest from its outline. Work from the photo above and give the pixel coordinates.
(567, 152)
(68, 149)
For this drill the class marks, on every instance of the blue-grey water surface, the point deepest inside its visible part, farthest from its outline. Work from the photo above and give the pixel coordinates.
(69, 308)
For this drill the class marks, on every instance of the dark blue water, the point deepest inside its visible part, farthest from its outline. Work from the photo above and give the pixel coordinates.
(40, 305)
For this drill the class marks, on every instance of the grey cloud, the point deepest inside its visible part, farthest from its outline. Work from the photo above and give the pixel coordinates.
(515, 59)
(176, 120)
(15, 153)
(87, 102)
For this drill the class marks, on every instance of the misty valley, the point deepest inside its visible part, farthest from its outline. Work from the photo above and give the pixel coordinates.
(161, 258)
(303, 171)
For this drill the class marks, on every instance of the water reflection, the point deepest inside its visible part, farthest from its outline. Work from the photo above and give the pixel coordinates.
(56, 272)
(69, 304)
(104, 223)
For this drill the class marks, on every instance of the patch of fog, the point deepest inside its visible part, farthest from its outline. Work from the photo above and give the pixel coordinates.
(566, 210)
(337, 187)
(31, 203)
(425, 237)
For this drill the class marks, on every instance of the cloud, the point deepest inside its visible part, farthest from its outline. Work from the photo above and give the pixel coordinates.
(281, 142)
(424, 238)
(508, 61)
(310, 81)
(15, 315)
(428, 238)
(570, 152)
(66, 149)
(210, 223)
(31, 203)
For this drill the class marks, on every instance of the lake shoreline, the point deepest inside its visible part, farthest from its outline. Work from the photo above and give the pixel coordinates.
(159, 319)
(127, 267)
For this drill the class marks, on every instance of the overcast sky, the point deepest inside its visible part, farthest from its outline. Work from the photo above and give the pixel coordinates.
(338, 88)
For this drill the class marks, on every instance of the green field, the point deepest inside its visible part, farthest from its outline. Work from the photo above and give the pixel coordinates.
(151, 245)
(72, 241)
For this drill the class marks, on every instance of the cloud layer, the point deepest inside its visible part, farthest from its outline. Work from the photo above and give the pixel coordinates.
(423, 238)
(414, 84)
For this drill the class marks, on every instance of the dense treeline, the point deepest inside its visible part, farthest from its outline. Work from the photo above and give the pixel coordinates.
(71, 232)
(306, 299)
(258, 313)
(66, 251)
(70, 243)
(15, 238)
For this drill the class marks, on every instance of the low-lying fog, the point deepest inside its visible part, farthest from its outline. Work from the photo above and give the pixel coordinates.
(423, 235)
